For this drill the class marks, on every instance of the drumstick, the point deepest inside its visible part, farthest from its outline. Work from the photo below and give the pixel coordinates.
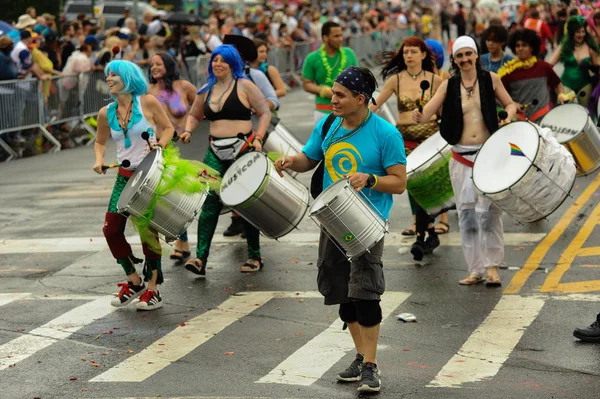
(124, 164)
(242, 137)
(146, 136)
(502, 115)
(424, 86)
(534, 102)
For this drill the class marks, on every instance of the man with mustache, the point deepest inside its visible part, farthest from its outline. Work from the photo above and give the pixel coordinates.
(468, 119)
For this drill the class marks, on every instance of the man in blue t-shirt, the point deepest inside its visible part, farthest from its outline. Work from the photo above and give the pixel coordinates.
(369, 152)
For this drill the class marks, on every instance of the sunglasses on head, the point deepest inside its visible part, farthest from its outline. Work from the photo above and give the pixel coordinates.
(465, 54)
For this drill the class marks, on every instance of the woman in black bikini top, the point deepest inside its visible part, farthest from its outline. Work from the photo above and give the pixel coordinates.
(226, 102)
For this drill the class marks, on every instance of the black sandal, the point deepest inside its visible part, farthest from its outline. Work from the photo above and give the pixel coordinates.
(197, 267)
(418, 250)
(252, 268)
(180, 255)
(442, 230)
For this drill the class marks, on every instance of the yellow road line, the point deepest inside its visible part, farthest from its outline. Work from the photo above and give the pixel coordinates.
(566, 260)
(538, 254)
(589, 251)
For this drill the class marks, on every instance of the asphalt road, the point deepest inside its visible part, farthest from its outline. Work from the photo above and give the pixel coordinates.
(268, 335)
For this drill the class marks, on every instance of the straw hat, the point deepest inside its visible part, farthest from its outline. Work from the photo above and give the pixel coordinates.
(25, 21)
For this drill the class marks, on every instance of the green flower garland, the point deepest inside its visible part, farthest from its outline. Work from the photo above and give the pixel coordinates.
(328, 67)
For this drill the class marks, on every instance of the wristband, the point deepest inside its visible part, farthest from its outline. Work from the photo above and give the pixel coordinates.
(187, 131)
(259, 139)
(376, 181)
(324, 89)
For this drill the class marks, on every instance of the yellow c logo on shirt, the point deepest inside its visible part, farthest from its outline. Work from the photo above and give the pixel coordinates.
(341, 159)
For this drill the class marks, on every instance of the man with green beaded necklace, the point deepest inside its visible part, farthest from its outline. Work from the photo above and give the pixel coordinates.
(321, 67)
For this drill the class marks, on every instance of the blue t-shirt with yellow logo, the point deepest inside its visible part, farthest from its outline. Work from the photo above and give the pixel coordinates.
(377, 145)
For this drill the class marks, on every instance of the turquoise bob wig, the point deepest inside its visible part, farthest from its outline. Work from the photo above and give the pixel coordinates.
(132, 76)
(231, 56)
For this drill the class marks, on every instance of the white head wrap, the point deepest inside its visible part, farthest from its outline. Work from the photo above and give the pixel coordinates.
(464, 42)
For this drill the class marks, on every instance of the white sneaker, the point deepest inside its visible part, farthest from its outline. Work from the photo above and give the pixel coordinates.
(149, 300)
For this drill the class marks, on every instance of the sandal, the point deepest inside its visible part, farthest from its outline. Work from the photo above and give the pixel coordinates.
(411, 231)
(443, 229)
(493, 282)
(180, 255)
(250, 267)
(418, 250)
(197, 267)
(471, 280)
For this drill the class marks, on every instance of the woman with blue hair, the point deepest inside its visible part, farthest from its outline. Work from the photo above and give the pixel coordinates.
(132, 113)
(226, 101)
(438, 51)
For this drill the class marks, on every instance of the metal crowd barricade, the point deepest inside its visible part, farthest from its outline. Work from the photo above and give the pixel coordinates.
(202, 70)
(94, 96)
(189, 70)
(279, 57)
(22, 107)
(298, 53)
(32, 104)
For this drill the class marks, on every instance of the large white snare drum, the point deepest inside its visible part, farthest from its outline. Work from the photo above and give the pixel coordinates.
(273, 205)
(574, 128)
(428, 177)
(173, 212)
(343, 214)
(280, 138)
(530, 186)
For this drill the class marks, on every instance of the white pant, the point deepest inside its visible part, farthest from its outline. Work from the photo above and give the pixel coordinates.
(479, 220)
(319, 115)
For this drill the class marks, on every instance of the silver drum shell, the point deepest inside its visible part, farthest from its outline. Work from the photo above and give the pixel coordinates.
(173, 212)
(277, 206)
(342, 213)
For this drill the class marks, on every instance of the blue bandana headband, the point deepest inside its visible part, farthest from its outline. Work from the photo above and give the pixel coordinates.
(352, 79)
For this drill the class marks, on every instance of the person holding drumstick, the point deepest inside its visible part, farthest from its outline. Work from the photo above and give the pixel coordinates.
(355, 144)
(226, 101)
(132, 114)
(412, 67)
(468, 119)
(176, 97)
(528, 80)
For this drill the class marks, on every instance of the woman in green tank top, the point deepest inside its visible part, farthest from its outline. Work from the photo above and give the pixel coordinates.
(577, 52)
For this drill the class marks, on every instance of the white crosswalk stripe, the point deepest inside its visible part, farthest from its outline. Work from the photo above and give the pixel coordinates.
(93, 244)
(57, 329)
(310, 362)
(479, 359)
(5, 299)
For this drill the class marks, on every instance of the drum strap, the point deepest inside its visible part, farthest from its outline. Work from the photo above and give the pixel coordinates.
(410, 144)
(459, 158)
(536, 115)
(125, 173)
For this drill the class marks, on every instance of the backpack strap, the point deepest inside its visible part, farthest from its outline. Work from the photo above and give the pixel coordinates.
(327, 125)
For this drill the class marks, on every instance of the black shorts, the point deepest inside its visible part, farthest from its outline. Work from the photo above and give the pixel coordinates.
(341, 281)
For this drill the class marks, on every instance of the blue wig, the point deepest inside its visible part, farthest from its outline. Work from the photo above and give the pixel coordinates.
(232, 58)
(438, 50)
(133, 78)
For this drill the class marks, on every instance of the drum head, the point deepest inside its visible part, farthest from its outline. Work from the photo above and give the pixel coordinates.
(566, 121)
(138, 179)
(497, 166)
(244, 178)
(328, 195)
(424, 152)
